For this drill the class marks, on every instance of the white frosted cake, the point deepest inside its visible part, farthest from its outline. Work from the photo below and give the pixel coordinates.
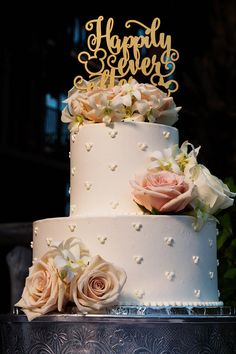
(141, 229)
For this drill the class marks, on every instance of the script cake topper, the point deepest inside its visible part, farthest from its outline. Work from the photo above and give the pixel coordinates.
(112, 58)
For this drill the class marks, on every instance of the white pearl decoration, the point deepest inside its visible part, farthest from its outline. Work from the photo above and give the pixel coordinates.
(72, 208)
(195, 259)
(113, 166)
(36, 229)
(169, 241)
(170, 275)
(88, 146)
(49, 241)
(166, 134)
(88, 185)
(210, 242)
(138, 259)
(140, 293)
(102, 239)
(72, 227)
(211, 275)
(113, 133)
(137, 226)
(142, 146)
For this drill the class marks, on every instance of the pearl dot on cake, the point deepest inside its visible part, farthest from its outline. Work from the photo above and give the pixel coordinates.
(88, 185)
(72, 227)
(169, 241)
(36, 229)
(72, 208)
(102, 239)
(142, 146)
(113, 133)
(210, 242)
(166, 134)
(138, 259)
(113, 166)
(197, 293)
(137, 226)
(88, 146)
(114, 205)
(140, 293)
(170, 275)
(49, 241)
(195, 259)
(211, 275)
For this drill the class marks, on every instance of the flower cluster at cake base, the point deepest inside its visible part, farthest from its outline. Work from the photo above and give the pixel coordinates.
(175, 182)
(67, 273)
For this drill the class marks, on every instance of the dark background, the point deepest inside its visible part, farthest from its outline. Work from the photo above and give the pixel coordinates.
(38, 57)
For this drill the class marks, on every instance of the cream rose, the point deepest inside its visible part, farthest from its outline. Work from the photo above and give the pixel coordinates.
(98, 286)
(44, 291)
(164, 191)
(213, 194)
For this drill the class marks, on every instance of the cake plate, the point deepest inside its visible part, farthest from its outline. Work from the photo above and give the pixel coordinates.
(123, 330)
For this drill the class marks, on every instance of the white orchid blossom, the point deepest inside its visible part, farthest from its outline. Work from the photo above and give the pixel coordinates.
(104, 108)
(128, 92)
(70, 255)
(74, 120)
(164, 160)
(186, 159)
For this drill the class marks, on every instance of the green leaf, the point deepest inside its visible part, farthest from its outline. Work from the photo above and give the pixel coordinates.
(231, 273)
(222, 238)
(155, 212)
(233, 243)
(230, 183)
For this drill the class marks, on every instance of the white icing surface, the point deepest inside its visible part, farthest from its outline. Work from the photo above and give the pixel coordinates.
(166, 261)
(164, 275)
(118, 152)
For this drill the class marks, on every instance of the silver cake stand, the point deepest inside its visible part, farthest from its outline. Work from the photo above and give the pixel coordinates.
(123, 330)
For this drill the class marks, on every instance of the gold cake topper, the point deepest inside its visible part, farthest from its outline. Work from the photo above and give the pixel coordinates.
(112, 58)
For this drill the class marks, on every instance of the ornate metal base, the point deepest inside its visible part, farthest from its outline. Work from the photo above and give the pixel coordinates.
(136, 332)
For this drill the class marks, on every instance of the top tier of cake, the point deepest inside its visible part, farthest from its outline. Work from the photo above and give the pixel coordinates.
(104, 158)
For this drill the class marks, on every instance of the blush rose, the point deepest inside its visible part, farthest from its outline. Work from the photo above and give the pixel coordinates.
(97, 286)
(164, 191)
(44, 291)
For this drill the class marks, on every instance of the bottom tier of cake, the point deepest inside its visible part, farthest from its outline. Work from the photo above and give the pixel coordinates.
(166, 261)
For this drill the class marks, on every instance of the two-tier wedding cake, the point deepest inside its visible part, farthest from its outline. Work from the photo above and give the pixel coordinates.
(141, 229)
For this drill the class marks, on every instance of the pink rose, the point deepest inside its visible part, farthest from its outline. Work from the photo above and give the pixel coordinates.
(97, 286)
(44, 291)
(164, 191)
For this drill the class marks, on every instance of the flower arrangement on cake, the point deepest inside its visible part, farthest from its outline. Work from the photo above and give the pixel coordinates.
(68, 273)
(131, 101)
(174, 181)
